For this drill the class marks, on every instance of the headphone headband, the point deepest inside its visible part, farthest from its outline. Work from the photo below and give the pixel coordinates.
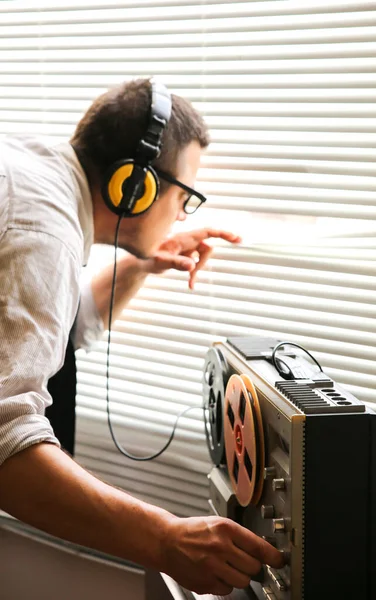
(149, 147)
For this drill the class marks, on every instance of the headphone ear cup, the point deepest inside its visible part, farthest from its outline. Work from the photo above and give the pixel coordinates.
(113, 181)
(150, 193)
(114, 189)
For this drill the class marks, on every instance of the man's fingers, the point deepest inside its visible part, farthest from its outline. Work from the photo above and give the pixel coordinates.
(182, 263)
(205, 253)
(234, 578)
(182, 250)
(221, 588)
(243, 562)
(208, 232)
(171, 245)
(270, 555)
(165, 260)
(257, 547)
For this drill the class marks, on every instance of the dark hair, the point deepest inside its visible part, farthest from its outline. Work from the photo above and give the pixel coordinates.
(115, 122)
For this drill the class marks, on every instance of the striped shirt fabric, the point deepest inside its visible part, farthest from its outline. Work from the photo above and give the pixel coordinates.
(46, 231)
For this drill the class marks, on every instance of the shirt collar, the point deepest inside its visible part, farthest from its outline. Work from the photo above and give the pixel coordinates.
(85, 204)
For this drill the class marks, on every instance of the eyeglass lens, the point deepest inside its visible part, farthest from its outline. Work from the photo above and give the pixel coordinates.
(191, 204)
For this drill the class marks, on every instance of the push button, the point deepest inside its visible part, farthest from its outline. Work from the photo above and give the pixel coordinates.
(268, 594)
(277, 580)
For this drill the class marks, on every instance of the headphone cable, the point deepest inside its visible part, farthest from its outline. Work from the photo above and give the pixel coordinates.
(113, 436)
(288, 373)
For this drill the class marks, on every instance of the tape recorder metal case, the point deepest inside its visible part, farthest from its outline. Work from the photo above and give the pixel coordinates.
(294, 462)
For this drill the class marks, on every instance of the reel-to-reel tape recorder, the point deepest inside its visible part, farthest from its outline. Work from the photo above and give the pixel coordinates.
(294, 459)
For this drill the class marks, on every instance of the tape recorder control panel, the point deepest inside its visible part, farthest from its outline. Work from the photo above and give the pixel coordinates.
(294, 460)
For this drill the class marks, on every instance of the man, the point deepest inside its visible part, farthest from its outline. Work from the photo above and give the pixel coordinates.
(51, 211)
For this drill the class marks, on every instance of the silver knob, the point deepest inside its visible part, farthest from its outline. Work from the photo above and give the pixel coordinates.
(278, 484)
(269, 472)
(278, 525)
(267, 511)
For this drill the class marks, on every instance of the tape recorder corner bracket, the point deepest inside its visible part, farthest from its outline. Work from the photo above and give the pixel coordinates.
(292, 462)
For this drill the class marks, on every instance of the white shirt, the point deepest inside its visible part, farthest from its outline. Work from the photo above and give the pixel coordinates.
(88, 327)
(46, 231)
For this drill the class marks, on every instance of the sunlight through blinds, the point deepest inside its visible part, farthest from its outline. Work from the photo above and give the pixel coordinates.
(288, 91)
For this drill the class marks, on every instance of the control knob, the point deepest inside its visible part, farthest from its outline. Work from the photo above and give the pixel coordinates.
(278, 525)
(269, 472)
(267, 511)
(278, 484)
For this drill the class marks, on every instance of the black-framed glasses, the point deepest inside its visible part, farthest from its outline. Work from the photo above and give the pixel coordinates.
(194, 199)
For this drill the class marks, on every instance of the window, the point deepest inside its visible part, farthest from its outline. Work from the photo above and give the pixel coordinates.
(288, 90)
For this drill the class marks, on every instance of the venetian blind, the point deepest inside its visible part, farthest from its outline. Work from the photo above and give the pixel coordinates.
(288, 91)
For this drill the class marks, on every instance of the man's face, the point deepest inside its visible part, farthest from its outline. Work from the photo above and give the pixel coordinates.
(143, 234)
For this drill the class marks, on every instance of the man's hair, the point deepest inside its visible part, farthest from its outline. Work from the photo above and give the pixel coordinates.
(112, 127)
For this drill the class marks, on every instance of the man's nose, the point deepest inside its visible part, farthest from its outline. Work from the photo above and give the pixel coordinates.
(182, 215)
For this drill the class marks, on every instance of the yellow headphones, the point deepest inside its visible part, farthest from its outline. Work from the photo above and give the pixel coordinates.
(130, 186)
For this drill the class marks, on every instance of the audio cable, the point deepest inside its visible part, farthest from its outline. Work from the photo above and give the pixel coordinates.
(112, 432)
(282, 367)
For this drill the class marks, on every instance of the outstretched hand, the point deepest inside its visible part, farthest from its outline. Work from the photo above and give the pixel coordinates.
(188, 251)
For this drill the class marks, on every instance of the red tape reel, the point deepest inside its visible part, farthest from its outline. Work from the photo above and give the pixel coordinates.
(260, 440)
(244, 439)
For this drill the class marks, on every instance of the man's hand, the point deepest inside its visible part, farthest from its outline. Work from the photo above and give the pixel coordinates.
(187, 252)
(184, 251)
(214, 555)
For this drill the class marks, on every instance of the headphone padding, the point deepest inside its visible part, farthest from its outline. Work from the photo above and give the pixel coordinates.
(115, 189)
(115, 184)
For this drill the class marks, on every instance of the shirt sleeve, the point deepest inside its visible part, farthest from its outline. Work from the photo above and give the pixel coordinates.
(38, 302)
(88, 327)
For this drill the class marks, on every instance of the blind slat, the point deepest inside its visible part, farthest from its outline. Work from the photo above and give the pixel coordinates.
(271, 52)
(231, 326)
(214, 16)
(253, 300)
(102, 39)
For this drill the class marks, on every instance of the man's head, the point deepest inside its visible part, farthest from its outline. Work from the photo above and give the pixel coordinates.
(110, 131)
